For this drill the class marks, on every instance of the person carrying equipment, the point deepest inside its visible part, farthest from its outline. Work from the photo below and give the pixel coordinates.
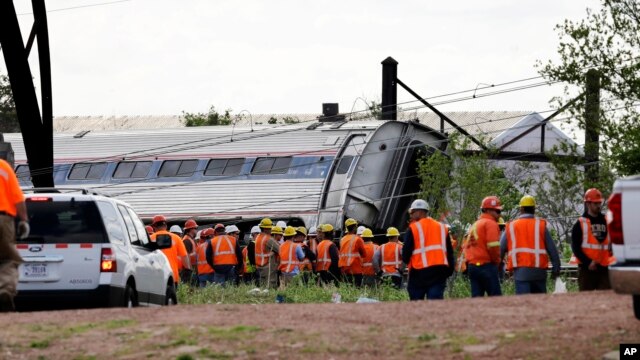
(328, 256)
(368, 273)
(266, 250)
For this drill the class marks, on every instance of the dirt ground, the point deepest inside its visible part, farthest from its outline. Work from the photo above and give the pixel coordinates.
(564, 326)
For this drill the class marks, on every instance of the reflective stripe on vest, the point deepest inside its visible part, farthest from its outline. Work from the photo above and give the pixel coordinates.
(194, 248)
(349, 254)
(395, 262)
(594, 250)
(201, 259)
(289, 262)
(420, 255)
(262, 255)
(226, 256)
(537, 250)
(324, 260)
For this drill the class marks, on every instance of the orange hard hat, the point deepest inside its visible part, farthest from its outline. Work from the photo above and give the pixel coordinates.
(158, 219)
(593, 195)
(190, 224)
(149, 229)
(207, 232)
(491, 202)
(218, 227)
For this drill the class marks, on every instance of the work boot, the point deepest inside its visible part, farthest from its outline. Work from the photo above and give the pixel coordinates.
(6, 302)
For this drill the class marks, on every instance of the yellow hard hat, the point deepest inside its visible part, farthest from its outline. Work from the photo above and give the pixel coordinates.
(289, 231)
(266, 223)
(302, 230)
(350, 222)
(392, 232)
(367, 233)
(276, 230)
(326, 228)
(501, 221)
(527, 200)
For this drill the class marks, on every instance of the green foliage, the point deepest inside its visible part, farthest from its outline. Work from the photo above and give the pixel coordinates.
(272, 120)
(608, 41)
(8, 116)
(210, 118)
(290, 120)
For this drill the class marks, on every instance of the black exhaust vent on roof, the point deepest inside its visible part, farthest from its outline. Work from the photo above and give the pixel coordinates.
(330, 112)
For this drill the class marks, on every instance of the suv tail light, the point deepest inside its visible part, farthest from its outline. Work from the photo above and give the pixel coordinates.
(614, 219)
(108, 261)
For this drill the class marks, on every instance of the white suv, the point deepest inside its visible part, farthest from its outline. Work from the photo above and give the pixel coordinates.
(88, 250)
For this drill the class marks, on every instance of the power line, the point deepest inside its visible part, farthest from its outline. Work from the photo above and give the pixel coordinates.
(79, 7)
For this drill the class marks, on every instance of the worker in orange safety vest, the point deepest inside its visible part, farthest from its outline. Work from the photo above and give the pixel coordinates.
(328, 256)
(369, 277)
(190, 230)
(266, 252)
(224, 254)
(205, 271)
(428, 252)
(482, 250)
(387, 259)
(530, 246)
(291, 255)
(590, 244)
(351, 253)
(177, 253)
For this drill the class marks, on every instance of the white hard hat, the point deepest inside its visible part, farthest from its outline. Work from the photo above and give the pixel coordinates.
(175, 229)
(282, 224)
(231, 229)
(360, 230)
(255, 230)
(419, 204)
(313, 231)
(198, 234)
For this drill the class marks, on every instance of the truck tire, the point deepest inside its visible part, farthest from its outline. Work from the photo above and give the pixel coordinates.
(636, 306)
(170, 297)
(130, 297)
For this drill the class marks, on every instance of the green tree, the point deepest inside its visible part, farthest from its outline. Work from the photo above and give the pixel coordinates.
(609, 41)
(210, 118)
(8, 116)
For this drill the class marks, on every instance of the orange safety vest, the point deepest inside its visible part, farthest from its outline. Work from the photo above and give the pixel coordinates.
(526, 243)
(367, 263)
(595, 250)
(323, 262)
(483, 241)
(429, 244)
(349, 257)
(194, 248)
(288, 258)
(224, 250)
(306, 264)
(390, 257)
(246, 266)
(262, 255)
(201, 259)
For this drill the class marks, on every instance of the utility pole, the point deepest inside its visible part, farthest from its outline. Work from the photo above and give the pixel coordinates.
(592, 128)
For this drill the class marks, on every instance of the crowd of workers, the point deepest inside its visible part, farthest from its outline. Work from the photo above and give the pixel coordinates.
(277, 253)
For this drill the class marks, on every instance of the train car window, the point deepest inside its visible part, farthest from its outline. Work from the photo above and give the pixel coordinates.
(281, 165)
(233, 167)
(22, 172)
(344, 164)
(262, 165)
(86, 171)
(132, 169)
(215, 167)
(178, 168)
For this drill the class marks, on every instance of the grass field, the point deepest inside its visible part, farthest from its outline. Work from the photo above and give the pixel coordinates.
(297, 292)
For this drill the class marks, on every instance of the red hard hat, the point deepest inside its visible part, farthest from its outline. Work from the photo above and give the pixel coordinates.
(149, 229)
(491, 202)
(593, 195)
(207, 232)
(190, 224)
(158, 219)
(218, 226)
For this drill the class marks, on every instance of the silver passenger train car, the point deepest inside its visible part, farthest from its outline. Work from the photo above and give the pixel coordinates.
(305, 173)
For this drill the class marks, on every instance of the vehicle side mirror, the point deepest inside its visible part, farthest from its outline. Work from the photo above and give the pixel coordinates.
(163, 241)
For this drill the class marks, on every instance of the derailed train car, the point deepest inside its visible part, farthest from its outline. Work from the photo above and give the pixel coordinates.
(305, 173)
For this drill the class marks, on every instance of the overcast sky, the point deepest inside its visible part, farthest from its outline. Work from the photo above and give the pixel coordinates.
(142, 57)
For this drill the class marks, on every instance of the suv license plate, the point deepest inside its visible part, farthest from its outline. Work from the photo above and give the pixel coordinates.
(34, 271)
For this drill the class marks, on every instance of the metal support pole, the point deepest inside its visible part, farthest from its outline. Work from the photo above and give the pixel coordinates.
(389, 107)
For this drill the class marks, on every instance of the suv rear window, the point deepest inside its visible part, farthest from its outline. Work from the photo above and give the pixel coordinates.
(67, 222)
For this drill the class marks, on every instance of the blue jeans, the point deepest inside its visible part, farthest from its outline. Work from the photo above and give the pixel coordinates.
(531, 287)
(223, 278)
(205, 279)
(484, 279)
(433, 292)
